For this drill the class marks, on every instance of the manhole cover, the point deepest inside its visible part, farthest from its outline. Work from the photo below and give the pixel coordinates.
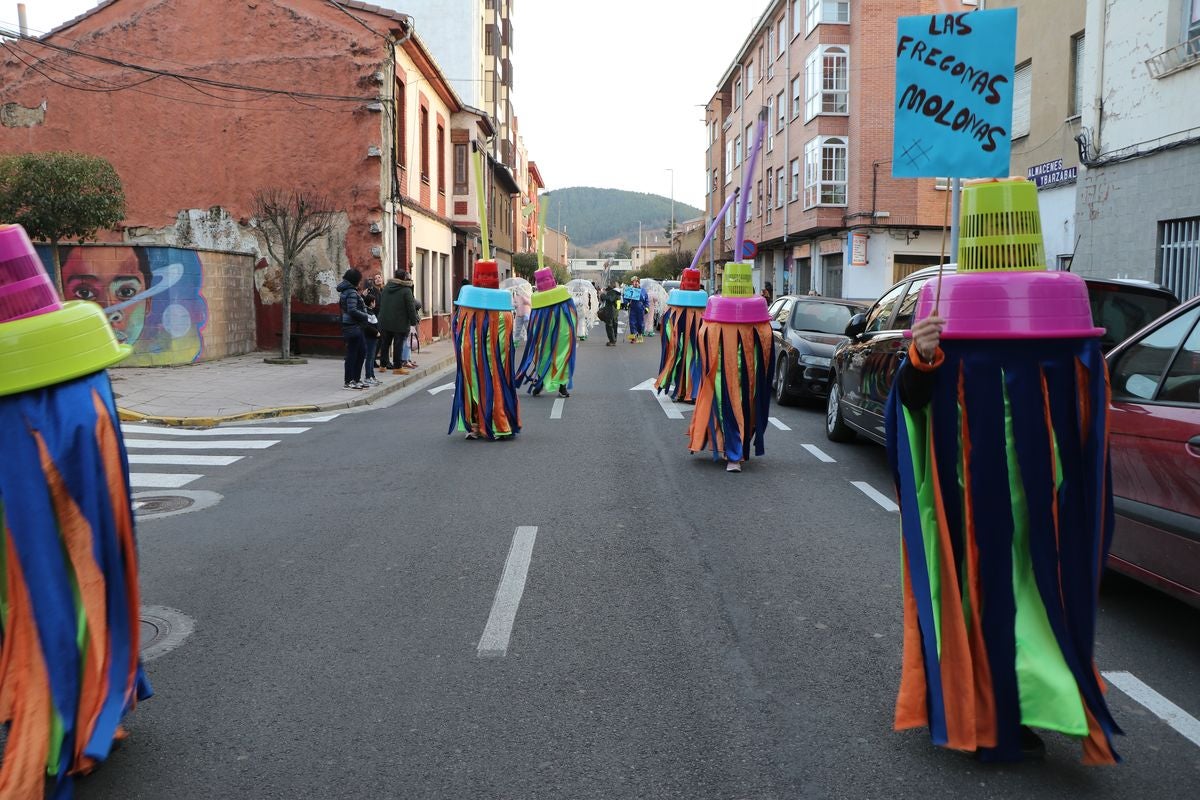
(161, 504)
(162, 629)
(155, 505)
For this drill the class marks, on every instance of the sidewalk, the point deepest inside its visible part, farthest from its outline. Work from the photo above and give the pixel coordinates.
(244, 387)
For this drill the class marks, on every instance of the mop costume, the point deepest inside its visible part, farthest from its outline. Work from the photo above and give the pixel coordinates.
(737, 354)
(656, 303)
(549, 358)
(1000, 457)
(587, 304)
(485, 392)
(679, 369)
(69, 665)
(635, 300)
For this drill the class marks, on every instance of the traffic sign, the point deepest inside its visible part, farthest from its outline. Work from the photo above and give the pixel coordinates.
(749, 250)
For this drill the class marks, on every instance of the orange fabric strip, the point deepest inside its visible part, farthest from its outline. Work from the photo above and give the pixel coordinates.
(915, 359)
(912, 708)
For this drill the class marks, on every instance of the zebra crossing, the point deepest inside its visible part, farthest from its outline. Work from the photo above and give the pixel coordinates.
(152, 448)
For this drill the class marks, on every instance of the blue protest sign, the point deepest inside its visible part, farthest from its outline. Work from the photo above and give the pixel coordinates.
(954, 95)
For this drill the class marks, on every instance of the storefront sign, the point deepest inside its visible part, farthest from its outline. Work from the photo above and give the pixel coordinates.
(1052, 172)
(954, 95)
(858, 249)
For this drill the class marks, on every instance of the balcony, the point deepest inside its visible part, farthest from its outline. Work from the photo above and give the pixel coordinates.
(1181, 56)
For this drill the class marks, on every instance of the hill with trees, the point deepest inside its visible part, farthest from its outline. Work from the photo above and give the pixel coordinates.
(596, 218)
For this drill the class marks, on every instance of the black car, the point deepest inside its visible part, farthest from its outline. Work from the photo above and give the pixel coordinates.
(864, 366)
(807, 329)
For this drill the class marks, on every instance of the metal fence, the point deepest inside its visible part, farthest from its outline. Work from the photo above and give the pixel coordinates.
(1179, 256)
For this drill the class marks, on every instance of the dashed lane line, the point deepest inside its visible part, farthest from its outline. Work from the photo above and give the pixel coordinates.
(819, 453)
(873, 493)
(443, 388)
(1184, 723)
(183, 459)
(778, 424)
(497, 632)
(557, 409)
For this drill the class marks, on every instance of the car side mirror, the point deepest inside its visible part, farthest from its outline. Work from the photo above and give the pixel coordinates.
(856, 325)
(776, 325)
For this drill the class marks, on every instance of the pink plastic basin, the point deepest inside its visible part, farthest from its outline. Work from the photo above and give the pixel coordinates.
(736, 310)
(1012, 305)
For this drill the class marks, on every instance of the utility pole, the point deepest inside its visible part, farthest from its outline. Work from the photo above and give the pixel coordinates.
(671, 238)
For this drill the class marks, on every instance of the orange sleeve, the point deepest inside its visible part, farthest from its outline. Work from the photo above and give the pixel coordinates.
(915, 359)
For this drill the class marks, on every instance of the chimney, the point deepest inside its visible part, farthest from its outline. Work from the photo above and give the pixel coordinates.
(22, 25)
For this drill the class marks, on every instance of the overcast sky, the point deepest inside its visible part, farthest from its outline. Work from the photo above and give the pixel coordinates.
(608, 94)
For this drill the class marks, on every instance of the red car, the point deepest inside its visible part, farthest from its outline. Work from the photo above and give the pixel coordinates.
(1154, 422)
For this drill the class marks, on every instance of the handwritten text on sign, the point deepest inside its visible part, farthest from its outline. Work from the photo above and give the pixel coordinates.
(954, 95)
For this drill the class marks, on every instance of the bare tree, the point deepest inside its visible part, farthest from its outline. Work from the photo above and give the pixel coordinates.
(289, 221)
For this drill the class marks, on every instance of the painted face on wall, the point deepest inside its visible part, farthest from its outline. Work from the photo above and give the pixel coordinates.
(111, 277)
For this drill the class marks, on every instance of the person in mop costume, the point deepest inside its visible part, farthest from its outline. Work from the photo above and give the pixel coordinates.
(485, 391)
(69, 664)
(737, 353)
(549, 358)
(679, 369)
(997, 439)
(587, 303)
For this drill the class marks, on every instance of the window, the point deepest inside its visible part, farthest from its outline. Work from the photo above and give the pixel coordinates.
(737, 93)
(728, 161)
(780, 187)
(1179, 256)
(1076, 107)
(1139, 373)
(1192, 29)
(881, 313)
(749, 78)
(401, 125)
(749, 140)
(827, 82)
(782, 37)
(424, 144)
(749, 201)
(795, 97)
(737, 151)
(795, 181)
(797, 17)
(758, 196)
(826, 11)
(441, 157)
(460, 169)
(825, 172)
(770, 127)
(770, 187)
(781, 105)
(729, 215)
(1022, 86)
(908, 308)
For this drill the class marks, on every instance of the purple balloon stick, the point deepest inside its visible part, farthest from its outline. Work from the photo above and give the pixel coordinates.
(747, 181)
(713, 229)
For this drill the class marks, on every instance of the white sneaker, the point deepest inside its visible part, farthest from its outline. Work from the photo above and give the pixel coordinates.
(372, 381)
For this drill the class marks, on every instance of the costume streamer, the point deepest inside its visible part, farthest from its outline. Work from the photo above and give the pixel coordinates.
(69, 665)
(680, 369)
(548, 362)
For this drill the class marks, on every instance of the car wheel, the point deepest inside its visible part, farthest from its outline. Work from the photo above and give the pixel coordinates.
(781, 377)
(836, 429)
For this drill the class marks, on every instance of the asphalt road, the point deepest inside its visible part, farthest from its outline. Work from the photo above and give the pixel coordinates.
(683, 632)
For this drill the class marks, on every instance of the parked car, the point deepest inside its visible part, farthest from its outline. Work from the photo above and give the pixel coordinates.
(807, 329)
(864, 366)
(1154, 428)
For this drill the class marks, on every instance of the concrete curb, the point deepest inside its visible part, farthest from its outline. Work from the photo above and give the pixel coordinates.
(129, 415)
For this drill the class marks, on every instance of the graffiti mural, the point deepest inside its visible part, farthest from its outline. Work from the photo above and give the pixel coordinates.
(153, 297)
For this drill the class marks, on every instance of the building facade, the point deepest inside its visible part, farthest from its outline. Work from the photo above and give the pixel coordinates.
(1138, 209)
(824, 211)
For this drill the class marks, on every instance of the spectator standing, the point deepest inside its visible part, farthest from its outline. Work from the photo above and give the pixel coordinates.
(371, 332)
(397, 316)
(354, 314)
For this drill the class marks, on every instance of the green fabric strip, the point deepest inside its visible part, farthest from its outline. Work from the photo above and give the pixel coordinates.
(1049, 696)
(917, 428)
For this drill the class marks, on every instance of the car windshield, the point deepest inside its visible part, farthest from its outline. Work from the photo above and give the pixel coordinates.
(821, 317)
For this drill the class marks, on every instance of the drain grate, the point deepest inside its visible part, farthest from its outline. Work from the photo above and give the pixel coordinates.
(161, 504)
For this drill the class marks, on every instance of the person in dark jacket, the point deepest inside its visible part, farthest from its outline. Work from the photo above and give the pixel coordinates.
(370, 331)
(372, 293)
(354, 315)
(397, 315)
(609, 313)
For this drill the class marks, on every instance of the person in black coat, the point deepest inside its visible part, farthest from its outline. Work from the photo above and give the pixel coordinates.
(354, 316)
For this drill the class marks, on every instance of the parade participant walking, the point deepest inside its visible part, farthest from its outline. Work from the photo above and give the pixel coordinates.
(636, 302)
(680, 370)
(354, 314)
(69, 596)
(549, 358)
(997, 439)
(587, 303)
(737, 353)
(397, 315)
(610, 312)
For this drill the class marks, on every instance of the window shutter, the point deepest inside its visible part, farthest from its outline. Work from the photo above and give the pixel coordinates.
(1022, 86)
(1077, 89)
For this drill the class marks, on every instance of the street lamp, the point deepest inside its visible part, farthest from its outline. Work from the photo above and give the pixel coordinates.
(671, 236)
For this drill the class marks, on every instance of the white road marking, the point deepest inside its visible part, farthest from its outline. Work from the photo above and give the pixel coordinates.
(871, 492)
(183, 460)
(236, 444)
(557, 409)
(819, 453)
(775, 421)
(322, 418)
(664, 402)
(233, 430)
(439, 389)
(161, 480)
(1161, 707)
(494, 642)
